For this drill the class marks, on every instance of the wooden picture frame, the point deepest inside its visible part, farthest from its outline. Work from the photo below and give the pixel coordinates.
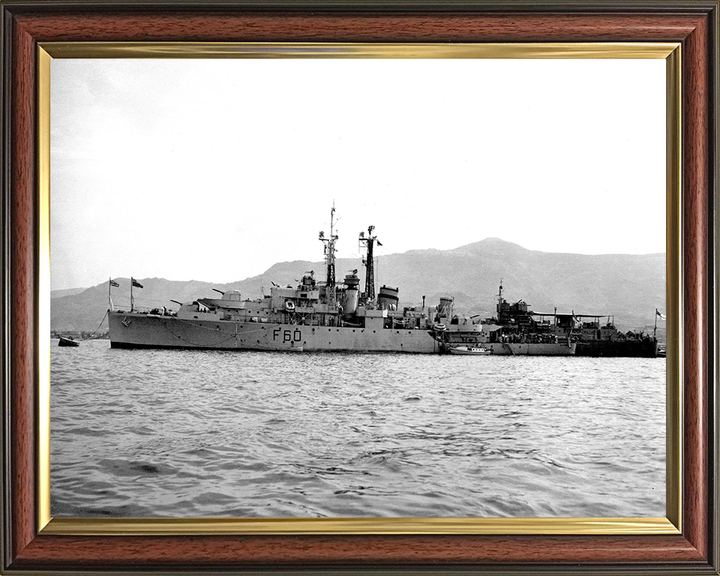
(28, 547)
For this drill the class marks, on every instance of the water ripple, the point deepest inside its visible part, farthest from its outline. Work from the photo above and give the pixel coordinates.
(192, 433)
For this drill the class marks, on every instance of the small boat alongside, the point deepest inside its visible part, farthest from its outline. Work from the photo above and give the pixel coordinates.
(469, 350)
(68, 341)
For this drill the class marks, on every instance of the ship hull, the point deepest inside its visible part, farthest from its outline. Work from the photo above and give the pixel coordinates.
(530, 349)
(479, 339)
(139, 330)
(618, 348)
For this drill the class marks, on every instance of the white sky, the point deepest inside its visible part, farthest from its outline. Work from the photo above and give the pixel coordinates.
(216, 169)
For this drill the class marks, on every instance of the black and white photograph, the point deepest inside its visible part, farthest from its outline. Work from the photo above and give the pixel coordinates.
(328, 288)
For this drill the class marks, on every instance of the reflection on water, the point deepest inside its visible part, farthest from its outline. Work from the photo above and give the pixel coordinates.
(198, 433)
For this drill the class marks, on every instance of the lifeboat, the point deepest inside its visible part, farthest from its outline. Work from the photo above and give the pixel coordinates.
(469, 350)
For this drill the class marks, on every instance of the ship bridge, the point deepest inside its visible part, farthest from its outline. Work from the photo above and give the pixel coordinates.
(302, 296)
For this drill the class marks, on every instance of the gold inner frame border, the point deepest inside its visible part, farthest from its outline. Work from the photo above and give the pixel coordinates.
(671, 524)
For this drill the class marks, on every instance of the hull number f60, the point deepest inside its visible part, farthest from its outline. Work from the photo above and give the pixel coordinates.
(287, 335)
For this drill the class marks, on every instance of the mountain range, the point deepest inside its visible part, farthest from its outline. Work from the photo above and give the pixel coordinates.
(630, 287)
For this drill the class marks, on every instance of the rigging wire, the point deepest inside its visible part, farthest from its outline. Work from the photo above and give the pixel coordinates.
(98, 328)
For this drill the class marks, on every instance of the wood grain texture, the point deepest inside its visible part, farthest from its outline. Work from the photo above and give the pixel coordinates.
(358, 28)
(688, 552)
(319, 550)
(696, 189)
(22, 281)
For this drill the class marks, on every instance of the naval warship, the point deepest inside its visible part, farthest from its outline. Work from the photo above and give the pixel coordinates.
(314, 315)
(591, 334)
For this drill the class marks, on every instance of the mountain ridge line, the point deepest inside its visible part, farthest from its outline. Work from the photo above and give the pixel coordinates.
(628, 286)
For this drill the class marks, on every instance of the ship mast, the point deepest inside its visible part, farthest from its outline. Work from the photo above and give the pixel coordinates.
(369, 242)
(500, 300)
(330, 259)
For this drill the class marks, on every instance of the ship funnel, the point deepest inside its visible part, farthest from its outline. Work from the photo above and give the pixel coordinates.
(388, 298)
(445, 307)
(352, 293)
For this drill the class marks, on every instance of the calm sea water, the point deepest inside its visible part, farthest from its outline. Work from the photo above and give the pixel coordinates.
(197, 433)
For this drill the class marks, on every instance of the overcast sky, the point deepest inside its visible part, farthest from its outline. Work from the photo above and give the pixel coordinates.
(216, 169)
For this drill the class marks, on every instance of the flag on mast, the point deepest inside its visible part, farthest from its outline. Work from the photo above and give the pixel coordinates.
(662, 316)
(137, 284)
(111, 283)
